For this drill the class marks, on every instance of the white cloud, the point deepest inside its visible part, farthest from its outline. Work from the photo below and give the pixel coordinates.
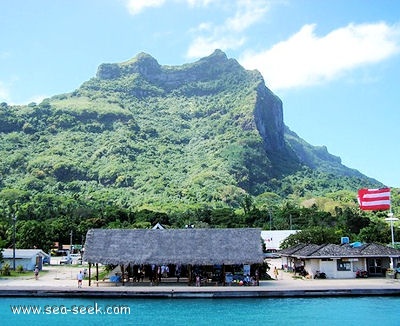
(306, 59)
(194, 3)
(229, 34)
(248, 13)
(207, 35)
(203, 46)
(5, 55)
(136, 6)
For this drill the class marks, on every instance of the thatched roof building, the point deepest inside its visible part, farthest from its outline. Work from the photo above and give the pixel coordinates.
(177, 246)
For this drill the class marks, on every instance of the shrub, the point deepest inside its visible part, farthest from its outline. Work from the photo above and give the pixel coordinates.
(5, 270)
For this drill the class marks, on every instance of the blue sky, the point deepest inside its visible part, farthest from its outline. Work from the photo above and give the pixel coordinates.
(334, 63)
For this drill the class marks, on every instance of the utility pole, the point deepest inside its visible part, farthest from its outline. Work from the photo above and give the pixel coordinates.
(270, 220)
(14, 218)
(70, 243)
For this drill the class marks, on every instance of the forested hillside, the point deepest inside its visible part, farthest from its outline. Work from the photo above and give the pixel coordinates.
(141, 143)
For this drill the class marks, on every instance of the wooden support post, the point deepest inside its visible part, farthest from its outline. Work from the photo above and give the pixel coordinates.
(189, 274)
(90, 274)
(223, 275)
(123, 274)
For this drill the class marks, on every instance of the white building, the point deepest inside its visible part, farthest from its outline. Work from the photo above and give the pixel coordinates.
(340, 261)
(27, 258)
(273, 239)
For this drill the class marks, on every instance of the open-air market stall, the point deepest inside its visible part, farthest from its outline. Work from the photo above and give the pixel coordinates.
(204, 253)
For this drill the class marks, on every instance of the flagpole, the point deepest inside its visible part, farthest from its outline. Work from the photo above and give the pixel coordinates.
(391, 219)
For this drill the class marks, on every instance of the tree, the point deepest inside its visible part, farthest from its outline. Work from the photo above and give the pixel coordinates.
(33, 234)
(247, 204)
(315, 235)
(60, 229)
(377, 231)
(225, 218)
(352, 220)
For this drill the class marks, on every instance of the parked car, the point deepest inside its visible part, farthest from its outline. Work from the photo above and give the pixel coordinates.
(46, 260)
(59, 252)
(271, 255)
(66, 260)
(76, 258)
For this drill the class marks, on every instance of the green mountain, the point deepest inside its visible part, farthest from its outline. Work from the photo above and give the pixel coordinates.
(144, 135)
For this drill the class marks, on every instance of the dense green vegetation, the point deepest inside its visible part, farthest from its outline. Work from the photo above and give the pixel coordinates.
(141, 144)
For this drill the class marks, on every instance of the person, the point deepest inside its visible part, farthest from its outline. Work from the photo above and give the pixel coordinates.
(80, 278)
(257, 276)
(159, 275)
(166, 271)
(178, 272)
(36, 272)
(140, 273)
(152, 274)
(276, 273)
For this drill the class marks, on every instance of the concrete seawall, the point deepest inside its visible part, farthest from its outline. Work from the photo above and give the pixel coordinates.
(60, 281)
(267, 289)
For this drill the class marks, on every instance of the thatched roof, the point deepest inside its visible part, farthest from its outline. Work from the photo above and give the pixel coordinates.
(178, 246)
(355, 250)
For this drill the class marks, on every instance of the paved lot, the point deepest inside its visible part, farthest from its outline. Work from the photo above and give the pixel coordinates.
(54, 275)
(62, 278)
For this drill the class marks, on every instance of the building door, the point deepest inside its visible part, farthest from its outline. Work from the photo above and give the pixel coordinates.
(374, 266)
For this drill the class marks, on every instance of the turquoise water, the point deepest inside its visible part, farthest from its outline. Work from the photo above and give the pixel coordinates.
(280, 311)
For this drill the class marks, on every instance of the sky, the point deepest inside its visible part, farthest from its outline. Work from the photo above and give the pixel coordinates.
(335, 64)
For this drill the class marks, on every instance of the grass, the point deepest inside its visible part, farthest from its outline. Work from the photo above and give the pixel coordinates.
(15, 274)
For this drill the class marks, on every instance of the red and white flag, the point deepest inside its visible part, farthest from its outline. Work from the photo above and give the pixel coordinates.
(374, 199)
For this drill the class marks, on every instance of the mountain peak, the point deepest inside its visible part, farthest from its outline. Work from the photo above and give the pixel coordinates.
(217, 54)
(142, 63)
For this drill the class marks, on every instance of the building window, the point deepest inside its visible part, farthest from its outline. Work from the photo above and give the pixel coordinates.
(343, 265)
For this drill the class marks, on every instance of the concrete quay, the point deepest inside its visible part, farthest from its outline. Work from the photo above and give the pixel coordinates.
(61, 282)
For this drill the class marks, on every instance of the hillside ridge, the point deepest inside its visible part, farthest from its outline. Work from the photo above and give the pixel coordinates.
(148, 135)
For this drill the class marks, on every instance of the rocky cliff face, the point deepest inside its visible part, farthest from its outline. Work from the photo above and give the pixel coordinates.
(215, 75)
(268, 115)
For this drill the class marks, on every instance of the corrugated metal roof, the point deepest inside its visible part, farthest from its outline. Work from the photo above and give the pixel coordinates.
(23, 253)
